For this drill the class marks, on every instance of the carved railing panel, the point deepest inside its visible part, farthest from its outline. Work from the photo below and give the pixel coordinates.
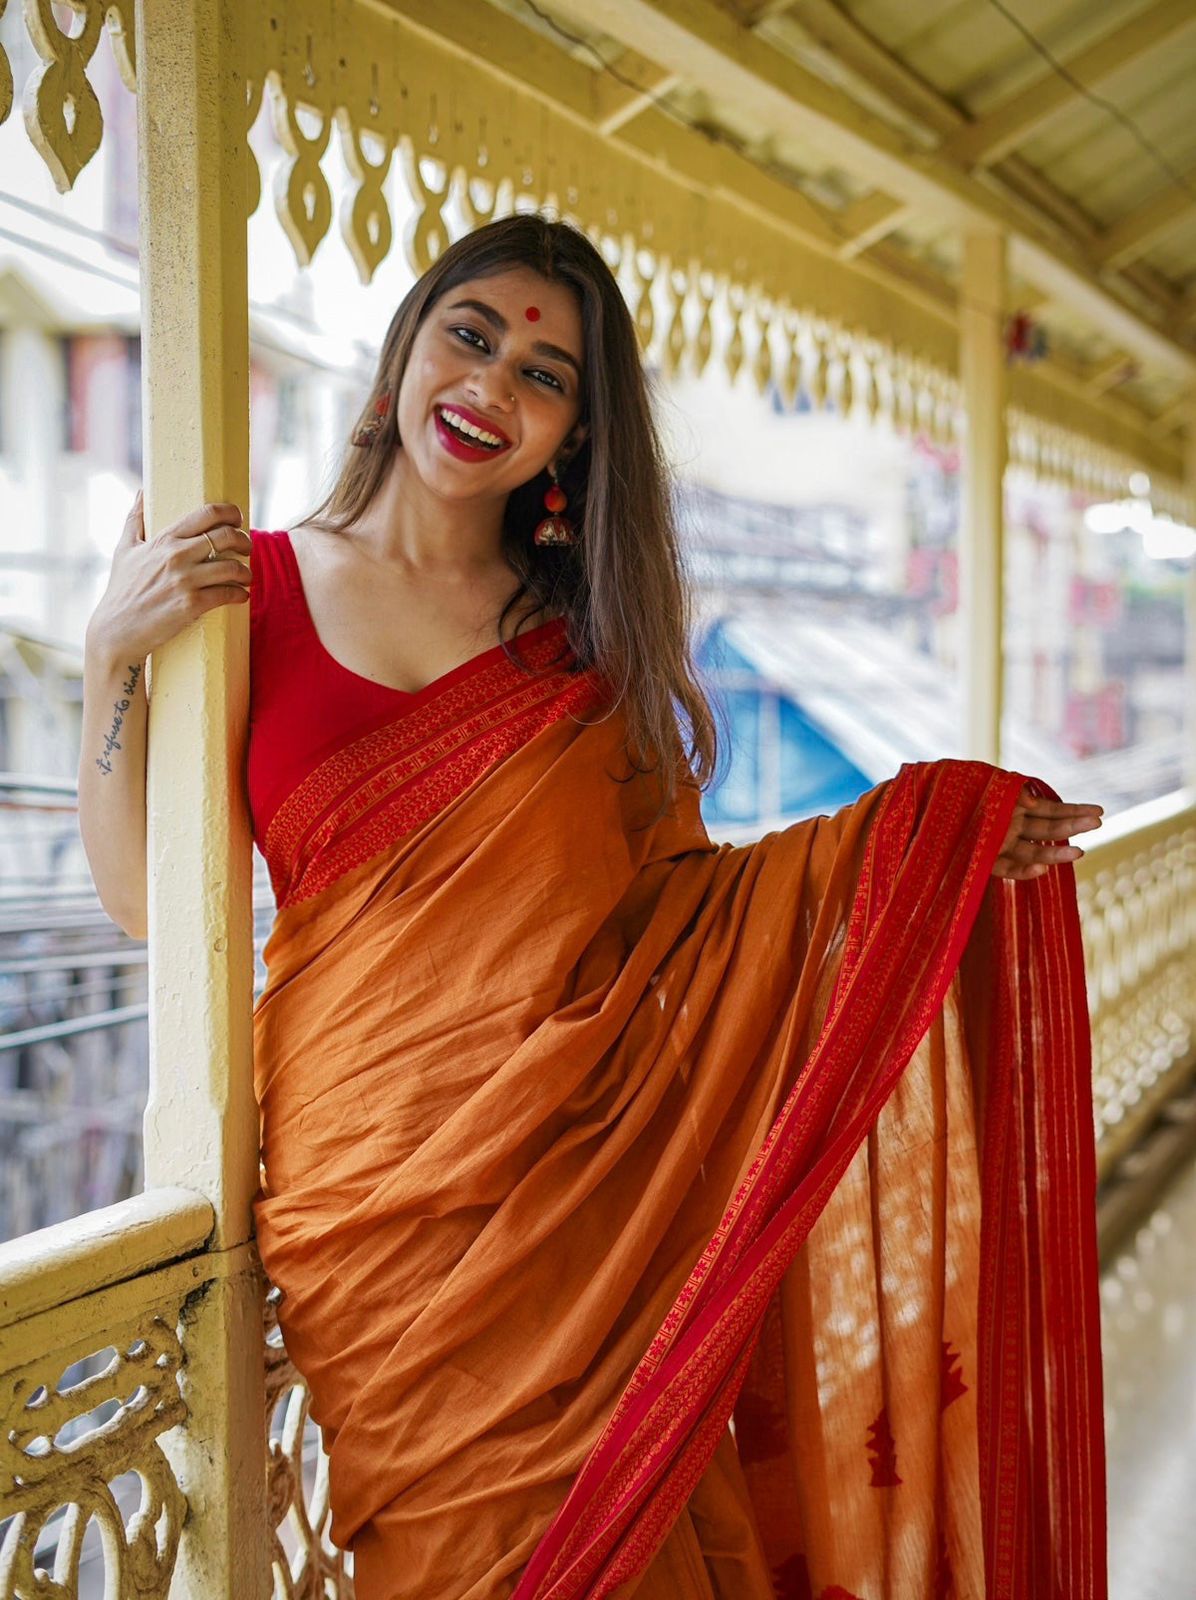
(1137, 892)
(94, 1387)
(307, 1565)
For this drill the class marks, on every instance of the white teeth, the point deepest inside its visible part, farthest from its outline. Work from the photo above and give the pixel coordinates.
(462, 426)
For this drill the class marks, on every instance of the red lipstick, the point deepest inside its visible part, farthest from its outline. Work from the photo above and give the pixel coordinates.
(457, 446)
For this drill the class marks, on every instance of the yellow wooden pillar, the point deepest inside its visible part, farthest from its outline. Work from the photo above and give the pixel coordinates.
(201, 1121)
(982, 523)
(1190, 617)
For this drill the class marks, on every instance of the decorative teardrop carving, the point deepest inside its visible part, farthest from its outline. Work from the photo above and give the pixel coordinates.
(762, 361)
(643, 271)
(253, 175)
(677, 283)
(62, 114)
(365, 216)
(733, 354)
(790, 380)
(426, 236)
(5, 76)
(302, 197)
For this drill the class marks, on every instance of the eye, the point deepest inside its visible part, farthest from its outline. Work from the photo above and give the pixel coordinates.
(539, 372)
(473, 333)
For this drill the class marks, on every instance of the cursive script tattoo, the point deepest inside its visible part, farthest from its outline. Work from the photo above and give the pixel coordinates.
(119, 707)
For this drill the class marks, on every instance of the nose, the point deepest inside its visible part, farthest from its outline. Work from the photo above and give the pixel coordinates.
(491, 387)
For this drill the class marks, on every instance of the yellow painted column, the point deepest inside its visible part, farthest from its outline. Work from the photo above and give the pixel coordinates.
(1190, 616)
(201, 1121)
(982, 522)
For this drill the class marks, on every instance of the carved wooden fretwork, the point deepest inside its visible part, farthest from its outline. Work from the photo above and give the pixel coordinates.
(56, 1453)
(5, 75)
(312, 1568)
(62, 114)
(1052, 453)
(703, 274)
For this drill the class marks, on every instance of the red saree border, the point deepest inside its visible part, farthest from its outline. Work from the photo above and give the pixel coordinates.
(901, 939)
(1037, 1283)
(401, 795)
(389, 781)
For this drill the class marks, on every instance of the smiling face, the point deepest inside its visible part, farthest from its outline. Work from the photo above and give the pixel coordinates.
(500, 357)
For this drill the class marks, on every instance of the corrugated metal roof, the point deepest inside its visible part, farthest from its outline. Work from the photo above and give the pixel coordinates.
(1071, 121)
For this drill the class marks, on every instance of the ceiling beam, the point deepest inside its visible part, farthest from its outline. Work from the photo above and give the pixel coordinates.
(865, 222)
(1134, 234)
(1173, 415)
(710, 50)
(481, 33)
(753, 12)
(1014, 121)
(716, 167)
(494, 40)
(615, 102)
(1106, 375)
(840, 39)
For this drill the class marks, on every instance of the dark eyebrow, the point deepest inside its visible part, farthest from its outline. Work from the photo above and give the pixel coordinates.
(500, 324)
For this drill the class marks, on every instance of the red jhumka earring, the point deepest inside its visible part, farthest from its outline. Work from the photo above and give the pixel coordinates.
(555, 529)
(370, 430)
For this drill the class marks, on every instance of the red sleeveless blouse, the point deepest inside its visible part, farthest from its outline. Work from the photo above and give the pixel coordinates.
(303, 704)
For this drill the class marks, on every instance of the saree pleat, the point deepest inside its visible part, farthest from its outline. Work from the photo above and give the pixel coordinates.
(637, 1204)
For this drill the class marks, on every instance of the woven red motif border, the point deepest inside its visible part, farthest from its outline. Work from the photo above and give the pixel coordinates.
(387, 783)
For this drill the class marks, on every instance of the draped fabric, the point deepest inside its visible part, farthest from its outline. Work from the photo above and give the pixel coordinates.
(661, 1218)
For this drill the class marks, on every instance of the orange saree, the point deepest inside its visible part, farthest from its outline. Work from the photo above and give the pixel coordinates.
(666, 1219)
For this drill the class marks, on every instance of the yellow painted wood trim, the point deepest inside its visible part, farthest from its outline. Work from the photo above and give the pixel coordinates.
(201, 1119)
(58, 1264)
(83, 1323)
(982, 499)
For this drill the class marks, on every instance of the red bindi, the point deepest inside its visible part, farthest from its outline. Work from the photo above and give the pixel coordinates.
(532, 313)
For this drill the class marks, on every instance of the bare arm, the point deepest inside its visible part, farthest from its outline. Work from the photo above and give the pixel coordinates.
(112, 780)
(157, 587)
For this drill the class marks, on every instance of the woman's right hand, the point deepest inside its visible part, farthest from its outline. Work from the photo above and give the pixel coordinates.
(158, 586)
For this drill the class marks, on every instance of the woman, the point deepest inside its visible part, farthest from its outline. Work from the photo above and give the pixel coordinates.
(651, 1217)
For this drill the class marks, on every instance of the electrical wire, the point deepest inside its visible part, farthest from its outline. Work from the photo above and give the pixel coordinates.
(1180, 179)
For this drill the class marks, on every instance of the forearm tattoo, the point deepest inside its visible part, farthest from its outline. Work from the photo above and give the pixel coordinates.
(111, 742)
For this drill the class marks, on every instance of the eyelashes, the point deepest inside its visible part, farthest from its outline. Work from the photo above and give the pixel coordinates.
(553, 380)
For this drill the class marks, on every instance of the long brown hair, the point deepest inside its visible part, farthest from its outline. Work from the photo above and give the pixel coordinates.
(620, 588)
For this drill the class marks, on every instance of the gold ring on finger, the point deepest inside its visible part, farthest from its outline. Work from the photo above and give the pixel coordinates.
(215, 553)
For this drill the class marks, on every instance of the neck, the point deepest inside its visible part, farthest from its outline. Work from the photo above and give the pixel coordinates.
(410, 526)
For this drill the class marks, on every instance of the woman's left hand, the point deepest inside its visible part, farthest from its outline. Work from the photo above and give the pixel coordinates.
(1038, 835)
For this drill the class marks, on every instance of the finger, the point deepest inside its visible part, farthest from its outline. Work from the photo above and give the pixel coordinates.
(1044, 828)
(134, 528)
(1050, 853)
(1062, 808)
(1004, 868)
(221, 594)
(225, 541)
(229, 570)
(219, 514)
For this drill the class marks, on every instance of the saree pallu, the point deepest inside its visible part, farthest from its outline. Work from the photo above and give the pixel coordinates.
(666, 1219)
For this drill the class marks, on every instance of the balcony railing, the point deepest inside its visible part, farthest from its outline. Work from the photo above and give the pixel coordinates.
(100, 1374)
